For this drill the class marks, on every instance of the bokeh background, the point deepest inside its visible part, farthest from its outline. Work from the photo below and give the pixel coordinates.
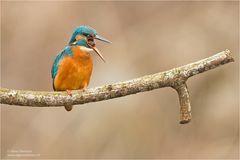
(148, 37)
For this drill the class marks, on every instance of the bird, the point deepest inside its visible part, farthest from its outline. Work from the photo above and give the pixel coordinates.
(72, 67)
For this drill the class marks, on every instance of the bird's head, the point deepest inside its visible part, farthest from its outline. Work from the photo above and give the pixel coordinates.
(84, 36)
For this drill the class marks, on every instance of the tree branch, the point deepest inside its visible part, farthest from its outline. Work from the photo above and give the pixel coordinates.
(175, 78)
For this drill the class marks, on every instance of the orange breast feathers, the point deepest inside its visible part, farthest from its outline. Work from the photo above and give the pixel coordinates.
(74, 71)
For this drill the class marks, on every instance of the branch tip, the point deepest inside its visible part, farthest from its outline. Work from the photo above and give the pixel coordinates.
(230, 57)
(185, 105)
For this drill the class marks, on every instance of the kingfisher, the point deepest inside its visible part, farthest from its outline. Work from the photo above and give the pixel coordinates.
(72, 67)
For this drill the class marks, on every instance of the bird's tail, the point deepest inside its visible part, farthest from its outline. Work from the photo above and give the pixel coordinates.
(68, 107)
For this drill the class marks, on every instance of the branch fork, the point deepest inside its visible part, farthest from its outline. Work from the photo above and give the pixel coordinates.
(175, 78)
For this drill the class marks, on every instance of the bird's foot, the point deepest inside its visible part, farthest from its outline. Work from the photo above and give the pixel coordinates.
(69, 92)
(84, 88)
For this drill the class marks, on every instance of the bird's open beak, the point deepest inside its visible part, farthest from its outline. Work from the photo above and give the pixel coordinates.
(102, 39)
(98, 52)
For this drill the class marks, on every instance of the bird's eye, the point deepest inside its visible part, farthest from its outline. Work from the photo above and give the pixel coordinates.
(86, 35)
(89, 36)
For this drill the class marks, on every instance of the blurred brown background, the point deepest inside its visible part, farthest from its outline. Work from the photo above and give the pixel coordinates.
(147, 37)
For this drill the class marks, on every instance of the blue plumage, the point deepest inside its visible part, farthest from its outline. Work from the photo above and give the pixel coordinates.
(82, 30)
(59, 57)
(67, 51)
(81, 42)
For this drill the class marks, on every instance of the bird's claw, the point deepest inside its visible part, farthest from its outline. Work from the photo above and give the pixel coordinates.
(69, 92)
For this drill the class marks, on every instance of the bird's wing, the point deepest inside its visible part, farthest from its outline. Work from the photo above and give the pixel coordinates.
(58, 59)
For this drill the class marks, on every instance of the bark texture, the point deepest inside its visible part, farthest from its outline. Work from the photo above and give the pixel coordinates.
(175, 78)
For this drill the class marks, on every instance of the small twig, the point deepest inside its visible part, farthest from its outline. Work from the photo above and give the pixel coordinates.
(184, 100)
(175, 78)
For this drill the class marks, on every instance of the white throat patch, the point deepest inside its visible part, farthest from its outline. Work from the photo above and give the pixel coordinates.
(85, 49)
